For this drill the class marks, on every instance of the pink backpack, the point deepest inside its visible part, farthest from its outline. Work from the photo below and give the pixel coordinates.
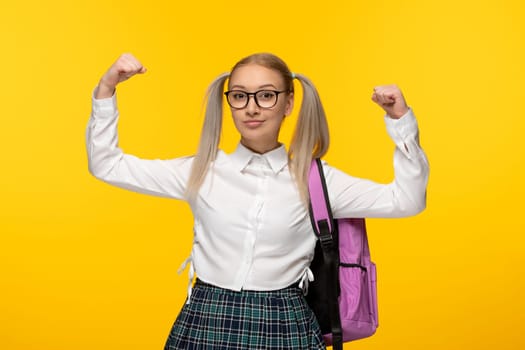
(343, 294)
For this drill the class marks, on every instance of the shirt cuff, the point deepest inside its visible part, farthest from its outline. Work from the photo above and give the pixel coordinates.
(104, 107)
(402, 129)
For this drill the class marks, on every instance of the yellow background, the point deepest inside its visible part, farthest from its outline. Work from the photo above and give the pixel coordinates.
(87, 266)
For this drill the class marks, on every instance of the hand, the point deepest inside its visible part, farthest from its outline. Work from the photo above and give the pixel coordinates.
(124, 68)
(390, 98)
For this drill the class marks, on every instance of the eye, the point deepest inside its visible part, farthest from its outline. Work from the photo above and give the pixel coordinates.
(238, 95)
(266, 95)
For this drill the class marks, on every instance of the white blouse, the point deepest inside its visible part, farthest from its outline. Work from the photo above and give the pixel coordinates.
(251, 229)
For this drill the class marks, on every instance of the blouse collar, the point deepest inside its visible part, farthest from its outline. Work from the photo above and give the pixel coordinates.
(276, 158)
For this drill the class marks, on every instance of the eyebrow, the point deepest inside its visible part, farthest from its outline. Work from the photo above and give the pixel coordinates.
(260, 87)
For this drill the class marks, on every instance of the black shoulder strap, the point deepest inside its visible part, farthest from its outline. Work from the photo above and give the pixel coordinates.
(324, 227)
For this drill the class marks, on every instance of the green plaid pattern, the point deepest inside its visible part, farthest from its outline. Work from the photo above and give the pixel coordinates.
(218, 318)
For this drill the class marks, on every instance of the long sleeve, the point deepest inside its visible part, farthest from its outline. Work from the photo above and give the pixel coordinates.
(404, 196)
(251, 230)
(107, 162)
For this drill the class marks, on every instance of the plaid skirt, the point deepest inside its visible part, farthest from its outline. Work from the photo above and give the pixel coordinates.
(218, 318)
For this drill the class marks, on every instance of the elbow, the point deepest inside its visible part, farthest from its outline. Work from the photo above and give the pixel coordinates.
(415, 206)
(103, 163)
(100, 170)
(410, 196)
(417, 209)
(408, 203)
(95, 171)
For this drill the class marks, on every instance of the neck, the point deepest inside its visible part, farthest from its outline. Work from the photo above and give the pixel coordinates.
(260, 147)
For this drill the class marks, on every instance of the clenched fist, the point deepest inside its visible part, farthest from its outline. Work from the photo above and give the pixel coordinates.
(390, 98)
(124, 68)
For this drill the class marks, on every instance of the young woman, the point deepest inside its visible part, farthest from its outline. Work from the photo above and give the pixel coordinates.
(253, 240)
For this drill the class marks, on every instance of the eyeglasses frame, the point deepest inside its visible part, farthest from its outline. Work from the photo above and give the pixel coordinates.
(254, 94)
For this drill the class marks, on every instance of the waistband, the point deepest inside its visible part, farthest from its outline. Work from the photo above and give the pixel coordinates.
(292, 290)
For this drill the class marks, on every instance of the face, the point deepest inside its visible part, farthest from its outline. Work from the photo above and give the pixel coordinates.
(259, 127)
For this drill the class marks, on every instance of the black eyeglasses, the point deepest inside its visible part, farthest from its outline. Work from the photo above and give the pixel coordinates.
(239, 99)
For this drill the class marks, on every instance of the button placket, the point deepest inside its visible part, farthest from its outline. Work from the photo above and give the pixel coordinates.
(263, 172)
(255, 167)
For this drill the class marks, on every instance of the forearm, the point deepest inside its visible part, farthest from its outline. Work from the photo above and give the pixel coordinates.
(102, 137)
(411, 168)
(103, 91)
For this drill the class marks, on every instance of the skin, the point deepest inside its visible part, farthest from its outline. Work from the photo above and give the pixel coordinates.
(390, 98)
(124, 68)
(259, 127)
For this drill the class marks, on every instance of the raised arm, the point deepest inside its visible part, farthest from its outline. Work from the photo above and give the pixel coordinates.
(406, 194)
(107, 162)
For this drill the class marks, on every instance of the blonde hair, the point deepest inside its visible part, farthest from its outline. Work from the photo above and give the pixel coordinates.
(310, 139)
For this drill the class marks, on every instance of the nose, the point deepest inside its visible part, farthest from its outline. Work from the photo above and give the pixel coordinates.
(251, 107)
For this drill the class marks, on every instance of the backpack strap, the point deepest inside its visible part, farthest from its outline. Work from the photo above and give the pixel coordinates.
(319, 202)
(324, 227)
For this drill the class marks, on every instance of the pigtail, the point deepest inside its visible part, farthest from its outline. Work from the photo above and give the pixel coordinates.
(210, 136)
(311, 137)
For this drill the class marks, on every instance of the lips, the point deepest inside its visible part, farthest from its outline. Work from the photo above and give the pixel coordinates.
(253, 123)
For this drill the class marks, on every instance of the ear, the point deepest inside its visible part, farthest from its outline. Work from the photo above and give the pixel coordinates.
(289, 104)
